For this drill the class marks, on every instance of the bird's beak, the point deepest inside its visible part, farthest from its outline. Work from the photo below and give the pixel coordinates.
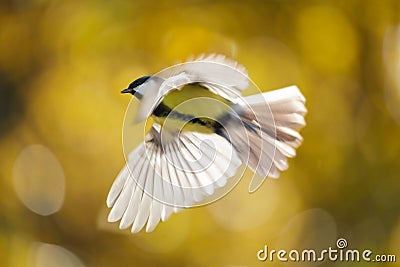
(128, 90)
(133, 92)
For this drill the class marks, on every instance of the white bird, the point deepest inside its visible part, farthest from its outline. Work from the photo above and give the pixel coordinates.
(203, 131)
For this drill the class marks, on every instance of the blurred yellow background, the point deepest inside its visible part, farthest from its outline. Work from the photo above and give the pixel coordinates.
(63, 64)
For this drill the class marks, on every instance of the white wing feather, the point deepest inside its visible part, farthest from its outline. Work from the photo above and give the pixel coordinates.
(160, 180)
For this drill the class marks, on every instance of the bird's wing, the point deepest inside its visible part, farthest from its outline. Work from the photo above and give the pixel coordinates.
(216, 72)
(161, 178)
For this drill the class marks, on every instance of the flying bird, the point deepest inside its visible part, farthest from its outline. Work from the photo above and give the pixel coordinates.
(203, 131)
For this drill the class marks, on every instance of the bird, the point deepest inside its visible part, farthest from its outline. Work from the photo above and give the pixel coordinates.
(203, 130)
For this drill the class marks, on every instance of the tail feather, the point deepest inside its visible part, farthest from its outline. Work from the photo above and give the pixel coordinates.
(271, 121)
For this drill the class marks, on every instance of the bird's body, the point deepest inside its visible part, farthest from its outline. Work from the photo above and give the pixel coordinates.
(203, 131)
(187, 117)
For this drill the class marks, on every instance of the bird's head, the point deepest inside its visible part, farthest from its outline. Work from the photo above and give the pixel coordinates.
(135, 86)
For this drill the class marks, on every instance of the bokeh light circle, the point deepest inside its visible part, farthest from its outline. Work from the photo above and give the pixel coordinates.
(39, 180)
(49, 255)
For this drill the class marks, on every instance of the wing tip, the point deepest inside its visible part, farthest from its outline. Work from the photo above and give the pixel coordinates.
(112, 218)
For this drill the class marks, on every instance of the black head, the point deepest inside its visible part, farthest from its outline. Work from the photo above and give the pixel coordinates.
(131, 88)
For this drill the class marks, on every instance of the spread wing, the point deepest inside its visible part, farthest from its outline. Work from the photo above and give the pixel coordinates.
(161, 178)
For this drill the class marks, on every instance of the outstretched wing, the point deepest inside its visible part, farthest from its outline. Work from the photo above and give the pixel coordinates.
(161, 178)
(221, 75)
